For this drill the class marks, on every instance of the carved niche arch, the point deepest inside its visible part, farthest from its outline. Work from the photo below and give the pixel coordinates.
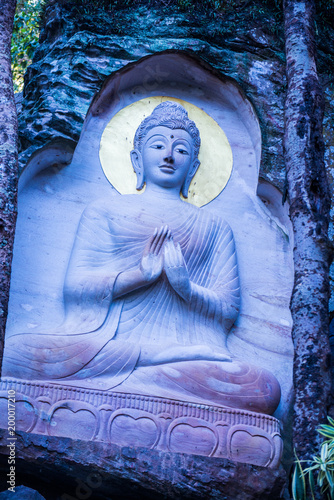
(54, 192)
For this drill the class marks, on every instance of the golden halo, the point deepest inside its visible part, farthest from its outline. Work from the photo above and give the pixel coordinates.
(215, 152)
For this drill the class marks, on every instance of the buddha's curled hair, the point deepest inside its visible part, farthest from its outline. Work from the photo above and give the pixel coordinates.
(168, 114)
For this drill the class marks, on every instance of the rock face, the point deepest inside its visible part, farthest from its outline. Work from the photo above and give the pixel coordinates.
(21, 493)
(92, 470)
(79, 49)
(195, 429)
(77, 53)
(8, 163)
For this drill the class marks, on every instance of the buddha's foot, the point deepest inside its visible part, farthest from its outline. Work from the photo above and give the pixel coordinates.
(233, 384)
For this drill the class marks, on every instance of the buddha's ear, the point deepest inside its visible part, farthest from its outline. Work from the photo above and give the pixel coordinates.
(192, 171)
(137, 165)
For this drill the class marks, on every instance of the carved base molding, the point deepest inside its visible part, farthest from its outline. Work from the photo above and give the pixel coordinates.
(142, 421)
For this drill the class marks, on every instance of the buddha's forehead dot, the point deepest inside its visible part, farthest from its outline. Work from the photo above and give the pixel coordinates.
(172, 137)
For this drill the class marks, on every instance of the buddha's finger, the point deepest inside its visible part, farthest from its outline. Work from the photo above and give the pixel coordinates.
(177, 258)
(180, 259)
(155, 240)
(161, 240)
(177, 251)
(166, 255)
(172, 254)
(169, 239)
(169, 254)
(148, 245)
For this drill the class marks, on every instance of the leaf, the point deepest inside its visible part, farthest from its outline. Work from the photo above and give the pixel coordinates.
(324, 451)
(25, 37)
(298, 482)
(329, 478)
(311, 483)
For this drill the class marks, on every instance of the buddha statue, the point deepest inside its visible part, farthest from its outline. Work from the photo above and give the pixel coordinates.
(151, 290)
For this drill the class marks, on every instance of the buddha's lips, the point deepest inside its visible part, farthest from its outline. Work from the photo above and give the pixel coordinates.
(168, 167)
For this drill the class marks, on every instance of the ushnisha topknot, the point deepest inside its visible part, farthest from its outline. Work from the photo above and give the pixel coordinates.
(172, 115)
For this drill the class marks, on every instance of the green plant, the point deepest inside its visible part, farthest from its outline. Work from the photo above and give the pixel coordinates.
(24, 39)
(322, 465)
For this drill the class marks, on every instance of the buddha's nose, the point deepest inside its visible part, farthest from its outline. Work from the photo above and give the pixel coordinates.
(169, 159)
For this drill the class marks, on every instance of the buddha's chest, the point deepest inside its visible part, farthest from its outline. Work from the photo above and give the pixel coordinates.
(131, 232)
(141, 225)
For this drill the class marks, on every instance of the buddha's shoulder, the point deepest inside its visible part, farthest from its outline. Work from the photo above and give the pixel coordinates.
(111, 205)
(213, 218)
(209, 220)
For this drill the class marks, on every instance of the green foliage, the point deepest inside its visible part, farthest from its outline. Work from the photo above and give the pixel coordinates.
(227, 16)
(24, 39)
(322, 465)
(209, 6)
(325, 12)
(298, 485)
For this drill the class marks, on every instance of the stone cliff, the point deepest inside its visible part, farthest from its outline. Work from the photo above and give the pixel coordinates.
(82, 43)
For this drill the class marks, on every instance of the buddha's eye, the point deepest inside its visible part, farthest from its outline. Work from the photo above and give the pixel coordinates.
(157, 146)
(182, 151)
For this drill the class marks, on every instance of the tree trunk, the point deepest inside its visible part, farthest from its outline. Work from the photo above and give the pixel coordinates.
(309, 211)
(8, 160)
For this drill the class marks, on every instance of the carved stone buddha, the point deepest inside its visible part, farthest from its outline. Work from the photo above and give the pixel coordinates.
(151, 290)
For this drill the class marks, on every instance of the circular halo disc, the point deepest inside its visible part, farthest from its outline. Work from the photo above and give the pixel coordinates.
(215, 152)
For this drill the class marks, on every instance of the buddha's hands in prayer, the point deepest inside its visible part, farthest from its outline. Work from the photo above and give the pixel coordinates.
(176, 269)
(152, 260)
(150, 267)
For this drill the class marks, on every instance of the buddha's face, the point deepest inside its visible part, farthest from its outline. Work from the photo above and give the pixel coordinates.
(167, 156)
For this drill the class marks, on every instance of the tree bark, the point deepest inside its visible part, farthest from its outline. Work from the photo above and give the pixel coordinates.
(8, 160)
(309, 211)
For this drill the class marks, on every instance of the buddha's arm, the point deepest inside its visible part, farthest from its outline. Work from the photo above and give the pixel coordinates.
(89, 277)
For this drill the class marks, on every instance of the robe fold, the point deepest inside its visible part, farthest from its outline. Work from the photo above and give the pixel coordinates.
(100, 341)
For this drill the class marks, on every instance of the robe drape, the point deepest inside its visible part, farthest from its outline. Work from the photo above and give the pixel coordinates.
(99, 343)
(99, 332)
